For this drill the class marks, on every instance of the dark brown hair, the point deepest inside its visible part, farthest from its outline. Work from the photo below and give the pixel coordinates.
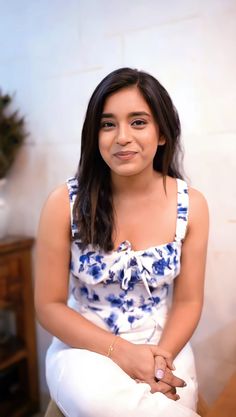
(93, 210)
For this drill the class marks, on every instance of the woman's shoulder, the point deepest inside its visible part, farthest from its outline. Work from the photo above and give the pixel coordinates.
(59, 195)
(197, 198)
(198, 207)
(56, 207)
(54, 224)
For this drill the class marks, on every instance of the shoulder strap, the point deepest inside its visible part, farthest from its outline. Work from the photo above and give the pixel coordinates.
(182, 210)
(72, 184)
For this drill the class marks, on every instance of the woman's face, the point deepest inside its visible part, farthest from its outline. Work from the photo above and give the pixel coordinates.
(129, 135)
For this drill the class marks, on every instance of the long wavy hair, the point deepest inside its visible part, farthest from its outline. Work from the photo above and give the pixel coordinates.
(93, 208)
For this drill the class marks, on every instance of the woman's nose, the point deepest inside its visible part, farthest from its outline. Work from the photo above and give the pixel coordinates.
(123, 136)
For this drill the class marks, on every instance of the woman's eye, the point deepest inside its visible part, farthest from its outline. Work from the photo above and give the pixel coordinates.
(106, 125)
(139, 123)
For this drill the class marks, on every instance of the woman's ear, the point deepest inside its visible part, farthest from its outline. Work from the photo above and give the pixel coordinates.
(162, 140)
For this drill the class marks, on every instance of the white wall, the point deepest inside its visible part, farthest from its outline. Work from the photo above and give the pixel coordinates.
(54, 53)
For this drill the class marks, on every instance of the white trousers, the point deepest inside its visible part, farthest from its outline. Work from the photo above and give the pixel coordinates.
(87, 384)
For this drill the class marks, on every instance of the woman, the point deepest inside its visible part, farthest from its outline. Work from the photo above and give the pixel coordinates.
(122, 227)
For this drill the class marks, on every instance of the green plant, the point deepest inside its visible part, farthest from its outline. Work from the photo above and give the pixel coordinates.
(12, 134)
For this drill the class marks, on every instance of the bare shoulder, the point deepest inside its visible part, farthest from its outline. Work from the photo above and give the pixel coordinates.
(198, 207)
(56, 210)
(59, 195)
(197, 199)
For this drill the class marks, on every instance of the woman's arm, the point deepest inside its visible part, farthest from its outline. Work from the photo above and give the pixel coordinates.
(189, 285)
(52, 279)
(51, 292)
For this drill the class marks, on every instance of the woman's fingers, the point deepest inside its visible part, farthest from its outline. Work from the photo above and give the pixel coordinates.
(160, 367)
(170, 393)
(172, 380)
(171, 396)
(157, 351)
(164, 388)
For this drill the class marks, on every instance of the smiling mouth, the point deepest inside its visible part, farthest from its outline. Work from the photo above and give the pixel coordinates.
(125, 155)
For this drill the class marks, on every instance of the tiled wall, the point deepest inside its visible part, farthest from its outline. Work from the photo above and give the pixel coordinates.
(53, 54)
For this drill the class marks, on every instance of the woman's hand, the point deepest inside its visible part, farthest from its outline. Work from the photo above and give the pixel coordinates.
(160, 366)
(140, 362)
(168, 382)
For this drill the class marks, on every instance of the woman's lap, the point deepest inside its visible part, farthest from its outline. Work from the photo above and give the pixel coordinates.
(86, 384)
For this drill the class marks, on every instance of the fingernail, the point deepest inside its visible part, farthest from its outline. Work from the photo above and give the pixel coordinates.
(159, 374)
(184, 384)
(177, 397)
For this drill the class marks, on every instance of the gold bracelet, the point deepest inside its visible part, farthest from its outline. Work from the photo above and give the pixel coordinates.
(111, 347)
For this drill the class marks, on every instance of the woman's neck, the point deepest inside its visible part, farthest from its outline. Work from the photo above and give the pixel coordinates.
(139, 184)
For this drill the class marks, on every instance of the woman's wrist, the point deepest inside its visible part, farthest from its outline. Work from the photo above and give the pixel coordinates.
(112, 346)
(117, 348)
(167, 349)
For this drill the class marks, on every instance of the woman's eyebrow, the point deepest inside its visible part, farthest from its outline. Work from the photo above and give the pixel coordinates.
(132, 114)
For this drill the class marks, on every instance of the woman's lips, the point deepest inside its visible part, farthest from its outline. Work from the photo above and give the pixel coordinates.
(125, 155)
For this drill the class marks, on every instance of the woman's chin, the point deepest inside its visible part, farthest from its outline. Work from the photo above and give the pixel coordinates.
(127, 171)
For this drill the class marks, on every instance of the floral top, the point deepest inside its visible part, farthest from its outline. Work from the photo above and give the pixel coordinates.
(125, 286)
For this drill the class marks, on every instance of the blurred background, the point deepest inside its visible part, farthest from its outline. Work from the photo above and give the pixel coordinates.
(52, 56)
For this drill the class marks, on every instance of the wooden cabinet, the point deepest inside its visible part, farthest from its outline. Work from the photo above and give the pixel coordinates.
(18, 355)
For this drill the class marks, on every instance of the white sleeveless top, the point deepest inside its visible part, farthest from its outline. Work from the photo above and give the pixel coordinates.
(123, 287)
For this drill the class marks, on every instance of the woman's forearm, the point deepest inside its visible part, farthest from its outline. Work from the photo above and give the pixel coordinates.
(136, 360)
(180, 325)
(74, 329)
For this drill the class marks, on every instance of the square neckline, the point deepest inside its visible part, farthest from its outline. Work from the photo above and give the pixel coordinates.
(180, 228)
(149, 249)
(156, 247)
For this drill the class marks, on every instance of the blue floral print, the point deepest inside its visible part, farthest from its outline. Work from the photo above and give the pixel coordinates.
(93, 263)
(111, 322)
(125, 286)
(160, 266)
(114, 300)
